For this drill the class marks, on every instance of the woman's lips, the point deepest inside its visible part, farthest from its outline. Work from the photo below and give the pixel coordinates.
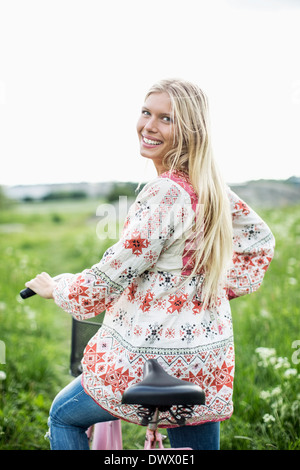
(150, 142)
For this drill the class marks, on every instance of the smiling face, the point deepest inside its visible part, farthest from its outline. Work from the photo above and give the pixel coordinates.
(156, 129)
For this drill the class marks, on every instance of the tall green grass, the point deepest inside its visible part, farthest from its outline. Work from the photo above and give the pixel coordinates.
(36, 334)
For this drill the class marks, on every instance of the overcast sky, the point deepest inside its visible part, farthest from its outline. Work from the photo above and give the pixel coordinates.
(73, 76)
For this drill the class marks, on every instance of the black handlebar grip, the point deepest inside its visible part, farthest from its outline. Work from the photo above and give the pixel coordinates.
(25, 293)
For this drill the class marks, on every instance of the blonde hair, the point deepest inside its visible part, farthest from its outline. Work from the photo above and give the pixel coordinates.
(192, 153)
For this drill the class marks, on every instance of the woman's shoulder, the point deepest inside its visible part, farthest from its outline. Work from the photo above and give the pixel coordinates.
(178, 176)
(166, 190)
(181, 179)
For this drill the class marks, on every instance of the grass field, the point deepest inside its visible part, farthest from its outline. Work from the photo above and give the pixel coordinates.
(35, 334)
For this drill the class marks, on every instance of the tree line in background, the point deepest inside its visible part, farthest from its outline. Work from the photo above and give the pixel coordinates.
(128, 189)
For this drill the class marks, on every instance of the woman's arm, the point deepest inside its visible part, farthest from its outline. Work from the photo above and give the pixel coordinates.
(253, 249)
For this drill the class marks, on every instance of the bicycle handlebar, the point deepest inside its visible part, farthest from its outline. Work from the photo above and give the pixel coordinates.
(25, 293)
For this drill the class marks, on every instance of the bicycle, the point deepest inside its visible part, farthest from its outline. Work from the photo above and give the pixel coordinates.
(156, 393)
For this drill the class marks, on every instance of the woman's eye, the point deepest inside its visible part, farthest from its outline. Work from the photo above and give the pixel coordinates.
(145, 113)
(167, 119)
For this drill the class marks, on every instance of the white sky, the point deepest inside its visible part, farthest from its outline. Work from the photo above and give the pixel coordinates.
(73, 76)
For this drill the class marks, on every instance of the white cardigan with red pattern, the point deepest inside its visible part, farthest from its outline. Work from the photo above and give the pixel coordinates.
(151, 313)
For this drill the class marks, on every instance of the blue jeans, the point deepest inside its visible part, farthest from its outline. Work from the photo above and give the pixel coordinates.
(73, 411)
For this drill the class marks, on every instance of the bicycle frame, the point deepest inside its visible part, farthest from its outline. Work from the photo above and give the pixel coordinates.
(108, 436)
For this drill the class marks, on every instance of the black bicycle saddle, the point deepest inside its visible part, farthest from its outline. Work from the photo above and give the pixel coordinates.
(159, 389)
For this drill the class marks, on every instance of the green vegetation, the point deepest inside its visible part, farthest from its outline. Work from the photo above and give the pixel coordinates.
(123, 189)
(60, 236)
(76, 194)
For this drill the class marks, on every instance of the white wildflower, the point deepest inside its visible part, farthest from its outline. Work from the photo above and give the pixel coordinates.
(279, 405)
(2, 375)
(290, 372)
(268, 418)
(265, 394)
(265, 313)
(282, 362)
(273, 361)
(265, 353)
(24, 262)
(276, 391)
(31, 315)
(267, 356)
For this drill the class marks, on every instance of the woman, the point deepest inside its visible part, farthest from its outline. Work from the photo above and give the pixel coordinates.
(188, 246)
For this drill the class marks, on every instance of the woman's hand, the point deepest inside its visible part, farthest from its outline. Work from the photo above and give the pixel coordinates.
(43, 285)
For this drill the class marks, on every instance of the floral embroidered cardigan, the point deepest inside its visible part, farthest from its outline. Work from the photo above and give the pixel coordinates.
(150, 314)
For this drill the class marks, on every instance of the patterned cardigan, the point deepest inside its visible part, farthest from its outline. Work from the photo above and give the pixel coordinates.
(151, 313)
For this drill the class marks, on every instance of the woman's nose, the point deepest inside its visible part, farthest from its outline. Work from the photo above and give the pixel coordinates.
(151, 124)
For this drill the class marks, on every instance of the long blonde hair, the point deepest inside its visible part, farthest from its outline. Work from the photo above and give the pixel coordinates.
(192, 153)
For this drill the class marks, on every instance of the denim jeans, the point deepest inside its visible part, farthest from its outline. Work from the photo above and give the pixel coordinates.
(73, 411)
